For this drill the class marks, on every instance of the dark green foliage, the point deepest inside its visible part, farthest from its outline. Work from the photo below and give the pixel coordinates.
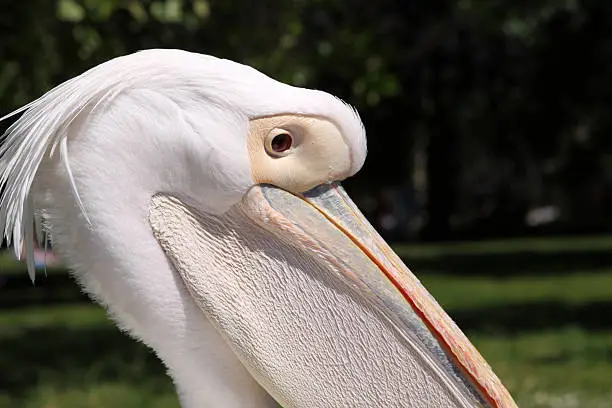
(477, 111)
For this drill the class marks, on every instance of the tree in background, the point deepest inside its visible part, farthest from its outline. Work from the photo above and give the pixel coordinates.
(478, 112)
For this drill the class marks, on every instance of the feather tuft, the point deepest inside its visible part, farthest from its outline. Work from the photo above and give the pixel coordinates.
(41, 130)
(43, 127)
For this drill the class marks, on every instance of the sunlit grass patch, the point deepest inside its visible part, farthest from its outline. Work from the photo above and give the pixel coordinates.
(553, 368)
(101, 395)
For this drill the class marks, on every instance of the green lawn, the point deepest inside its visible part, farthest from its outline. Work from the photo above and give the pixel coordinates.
(540, 311)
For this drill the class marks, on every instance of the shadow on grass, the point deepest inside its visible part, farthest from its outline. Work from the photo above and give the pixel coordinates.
(512, 319)
(513, 263)
(500, 264)
(65, 357)
(491, 264)
(59, 288)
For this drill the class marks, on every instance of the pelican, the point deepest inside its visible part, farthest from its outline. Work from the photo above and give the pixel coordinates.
(199, 201)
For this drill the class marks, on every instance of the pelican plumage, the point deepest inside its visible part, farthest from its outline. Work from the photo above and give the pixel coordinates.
(198, 200)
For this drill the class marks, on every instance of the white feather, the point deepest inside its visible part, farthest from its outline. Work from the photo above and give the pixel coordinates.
(66, 163)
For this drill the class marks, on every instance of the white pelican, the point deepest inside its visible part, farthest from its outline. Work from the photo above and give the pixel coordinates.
(198, 200)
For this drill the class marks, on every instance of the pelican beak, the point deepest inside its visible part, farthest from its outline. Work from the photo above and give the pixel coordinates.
(347, 323)
(326, 210)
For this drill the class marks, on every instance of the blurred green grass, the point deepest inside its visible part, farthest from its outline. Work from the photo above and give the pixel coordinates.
(539, 310)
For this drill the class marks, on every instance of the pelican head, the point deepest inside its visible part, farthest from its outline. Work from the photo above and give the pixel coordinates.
(199, 201)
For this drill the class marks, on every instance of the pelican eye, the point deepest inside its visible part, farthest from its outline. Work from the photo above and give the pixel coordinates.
(279, 143)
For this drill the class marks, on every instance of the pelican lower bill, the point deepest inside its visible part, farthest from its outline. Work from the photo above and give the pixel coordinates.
(308, 304)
